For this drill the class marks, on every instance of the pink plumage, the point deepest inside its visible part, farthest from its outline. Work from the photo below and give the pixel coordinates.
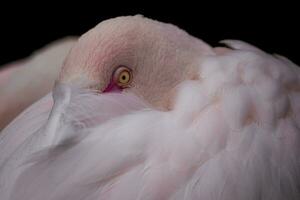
(232, 133)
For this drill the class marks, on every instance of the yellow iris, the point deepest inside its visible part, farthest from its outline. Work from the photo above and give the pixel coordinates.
(123, 76)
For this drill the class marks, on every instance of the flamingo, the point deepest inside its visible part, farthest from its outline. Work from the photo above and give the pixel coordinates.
(143, 110)
(26, 81)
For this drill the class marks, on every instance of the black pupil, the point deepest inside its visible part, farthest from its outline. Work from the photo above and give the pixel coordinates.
(123, 77)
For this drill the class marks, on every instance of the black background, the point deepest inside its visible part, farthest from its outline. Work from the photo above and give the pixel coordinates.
(273, 27)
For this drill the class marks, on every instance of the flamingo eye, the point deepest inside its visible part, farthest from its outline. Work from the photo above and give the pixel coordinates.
(122, 76)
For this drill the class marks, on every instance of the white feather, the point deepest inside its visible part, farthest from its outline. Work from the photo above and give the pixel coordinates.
(234, 134)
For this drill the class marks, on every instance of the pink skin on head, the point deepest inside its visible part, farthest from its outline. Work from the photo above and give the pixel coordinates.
(112, 87)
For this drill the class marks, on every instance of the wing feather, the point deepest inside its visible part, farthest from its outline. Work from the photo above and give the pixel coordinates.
(233, 135)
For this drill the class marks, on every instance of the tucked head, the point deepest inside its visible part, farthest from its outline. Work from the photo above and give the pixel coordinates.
(134, 54)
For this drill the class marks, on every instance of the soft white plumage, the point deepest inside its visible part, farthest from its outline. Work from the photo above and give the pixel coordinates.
(26, 81)
(233, 134)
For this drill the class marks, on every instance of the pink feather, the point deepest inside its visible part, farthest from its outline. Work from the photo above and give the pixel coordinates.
(234, 134)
